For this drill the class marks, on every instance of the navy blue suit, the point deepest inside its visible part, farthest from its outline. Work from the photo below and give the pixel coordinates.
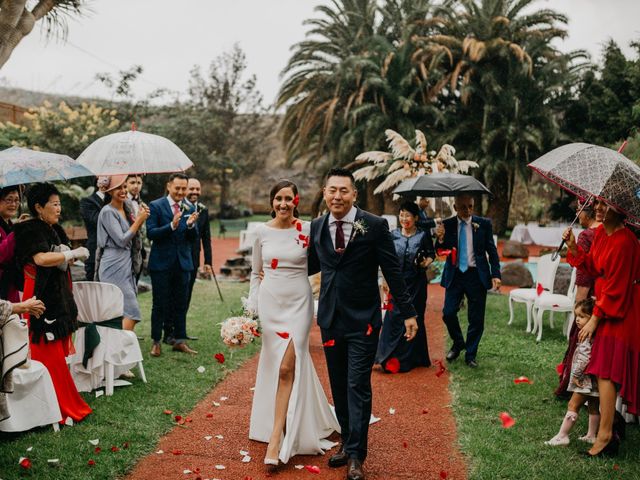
(349, 313)
(170, 266)
(473, 283)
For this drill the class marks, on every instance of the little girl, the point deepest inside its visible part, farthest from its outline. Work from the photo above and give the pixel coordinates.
(583, 386)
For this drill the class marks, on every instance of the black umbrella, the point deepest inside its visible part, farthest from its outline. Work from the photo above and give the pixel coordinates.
(441, 185)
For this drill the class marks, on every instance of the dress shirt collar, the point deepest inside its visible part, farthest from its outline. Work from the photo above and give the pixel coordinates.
(350, 217)
(172, 201)
(100, 194)
(466, 222)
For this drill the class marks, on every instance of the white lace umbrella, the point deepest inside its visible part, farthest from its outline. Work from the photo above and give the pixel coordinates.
(134, 152)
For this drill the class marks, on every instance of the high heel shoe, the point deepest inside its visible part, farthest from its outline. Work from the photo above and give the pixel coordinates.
(271, 461)
(610, 449)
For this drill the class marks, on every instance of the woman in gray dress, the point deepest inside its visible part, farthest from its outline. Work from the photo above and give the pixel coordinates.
(117, 229)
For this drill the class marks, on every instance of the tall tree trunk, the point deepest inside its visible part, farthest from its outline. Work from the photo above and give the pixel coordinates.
(375, 203)
(224, 191)
(498, 210)
(16, 22)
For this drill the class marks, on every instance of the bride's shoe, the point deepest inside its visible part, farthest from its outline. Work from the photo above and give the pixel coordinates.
(271, 461)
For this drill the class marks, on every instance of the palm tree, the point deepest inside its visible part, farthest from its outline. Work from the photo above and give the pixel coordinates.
(507, 75)
(17, 21)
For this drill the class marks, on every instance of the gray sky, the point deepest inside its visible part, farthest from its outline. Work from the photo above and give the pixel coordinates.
(169, 37)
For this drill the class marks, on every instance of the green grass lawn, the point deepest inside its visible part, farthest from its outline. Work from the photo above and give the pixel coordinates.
(134, 414)
(507, 352)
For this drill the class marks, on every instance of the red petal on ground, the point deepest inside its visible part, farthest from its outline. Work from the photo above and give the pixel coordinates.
(369, 330)
(209, 415)
(91, 463)
(97, 450)
(522, 380)
(507, 420)
(168, 412)
(298, 226)
(296, 200)
(177, 452)
(329, 343)
(177, 418)
(25, 463)
(425, 411)
(443, 474)
(125, 445)
(405, 444)
(188, 419)
(115, 449)
(219, 357)
(274, 263)
(560, 368)
(539, 289)
(441, 368)
(392, 365)
(312, 468)
(284, 335)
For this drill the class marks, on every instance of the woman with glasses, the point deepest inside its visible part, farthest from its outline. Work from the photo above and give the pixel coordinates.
(9, 276)
(414, 248)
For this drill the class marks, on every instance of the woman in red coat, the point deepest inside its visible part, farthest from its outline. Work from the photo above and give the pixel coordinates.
(614, 261)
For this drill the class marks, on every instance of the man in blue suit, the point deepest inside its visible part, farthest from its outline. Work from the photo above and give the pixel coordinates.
(467, 272)
(172, 229)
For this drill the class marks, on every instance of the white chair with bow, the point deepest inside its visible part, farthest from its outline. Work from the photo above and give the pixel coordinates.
(103, 350)
(555, 302)
(546, 275)
(30, 396)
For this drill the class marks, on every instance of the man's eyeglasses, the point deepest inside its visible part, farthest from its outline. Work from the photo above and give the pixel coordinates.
(10, 201)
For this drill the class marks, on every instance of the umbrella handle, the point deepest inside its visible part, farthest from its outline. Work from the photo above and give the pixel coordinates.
(554, 257)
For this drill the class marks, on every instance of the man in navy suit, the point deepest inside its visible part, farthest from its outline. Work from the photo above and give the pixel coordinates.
(467, 272)
(348, 245)
(172, 229)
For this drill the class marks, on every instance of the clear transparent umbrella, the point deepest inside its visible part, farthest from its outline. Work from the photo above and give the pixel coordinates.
(19, 166)
(133, 152)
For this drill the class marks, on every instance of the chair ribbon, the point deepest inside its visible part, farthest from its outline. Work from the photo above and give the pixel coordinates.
(92, 337)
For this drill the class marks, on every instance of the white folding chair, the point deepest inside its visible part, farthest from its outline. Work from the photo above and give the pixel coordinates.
(33, 401)
(118, 350)
(546, 274)
(555, 302)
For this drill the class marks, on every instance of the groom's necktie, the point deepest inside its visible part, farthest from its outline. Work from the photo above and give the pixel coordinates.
(463, 262)
(339, 236)
(176, 208)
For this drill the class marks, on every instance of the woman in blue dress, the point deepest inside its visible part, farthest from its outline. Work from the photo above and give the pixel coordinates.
(117, 232)
(414, 248)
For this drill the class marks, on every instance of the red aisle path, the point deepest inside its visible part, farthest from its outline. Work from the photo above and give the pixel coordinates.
(409, 444)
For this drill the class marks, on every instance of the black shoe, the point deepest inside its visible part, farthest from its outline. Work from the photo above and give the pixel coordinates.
(191, 338)
(610, 450)
(619, 426)
(354, 470)
(339, 459)
(169, 340)
(452, 355)
(472, 363)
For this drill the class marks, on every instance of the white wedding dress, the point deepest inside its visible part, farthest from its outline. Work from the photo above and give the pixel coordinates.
(284, 303)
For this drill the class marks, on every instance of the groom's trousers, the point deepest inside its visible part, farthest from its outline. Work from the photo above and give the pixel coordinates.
(350, 362)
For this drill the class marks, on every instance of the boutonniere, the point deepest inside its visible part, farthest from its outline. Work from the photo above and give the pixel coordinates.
(360, 227)
(475, 226)
(184, 207)
(200, 207)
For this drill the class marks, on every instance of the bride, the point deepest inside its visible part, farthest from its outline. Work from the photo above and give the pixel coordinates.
(290, 410)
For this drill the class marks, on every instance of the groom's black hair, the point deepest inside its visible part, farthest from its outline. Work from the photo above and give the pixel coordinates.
(341, 172)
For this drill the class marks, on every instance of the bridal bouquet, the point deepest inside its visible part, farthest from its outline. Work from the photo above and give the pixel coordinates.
(239, 331)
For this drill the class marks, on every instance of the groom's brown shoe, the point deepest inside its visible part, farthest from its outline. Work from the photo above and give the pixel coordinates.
(354, 469)
(339, 459)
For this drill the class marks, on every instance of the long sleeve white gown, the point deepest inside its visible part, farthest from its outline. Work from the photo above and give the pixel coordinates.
(284, 303)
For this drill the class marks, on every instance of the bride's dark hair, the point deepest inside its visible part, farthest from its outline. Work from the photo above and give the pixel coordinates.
(279, 186)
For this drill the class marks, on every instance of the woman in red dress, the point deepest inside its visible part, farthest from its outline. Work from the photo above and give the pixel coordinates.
(42, 251)
(614, 261)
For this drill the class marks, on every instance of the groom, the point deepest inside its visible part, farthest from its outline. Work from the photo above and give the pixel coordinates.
(348, 245)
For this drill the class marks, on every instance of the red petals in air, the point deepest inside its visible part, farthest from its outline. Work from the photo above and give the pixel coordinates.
(560, 368)
(299, 226)
(441, 368)
(91, 463)
(522, 380)
(329, 343)
(296, 200)
(177, 452)
(219, 357)
(25, 463)
(507, 420)
(369, 330)
(539, 289)
(392, 365)
(312, 468)
(274, 263)
(284, 335)
(304, 239)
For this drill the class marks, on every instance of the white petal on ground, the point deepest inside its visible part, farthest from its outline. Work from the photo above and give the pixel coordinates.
(219, 437)
(222, 399)
(94, 442)
(246, 459)
(201, 369)
(53, 460)
(208, 437)
(392, 411)
(220, 467)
